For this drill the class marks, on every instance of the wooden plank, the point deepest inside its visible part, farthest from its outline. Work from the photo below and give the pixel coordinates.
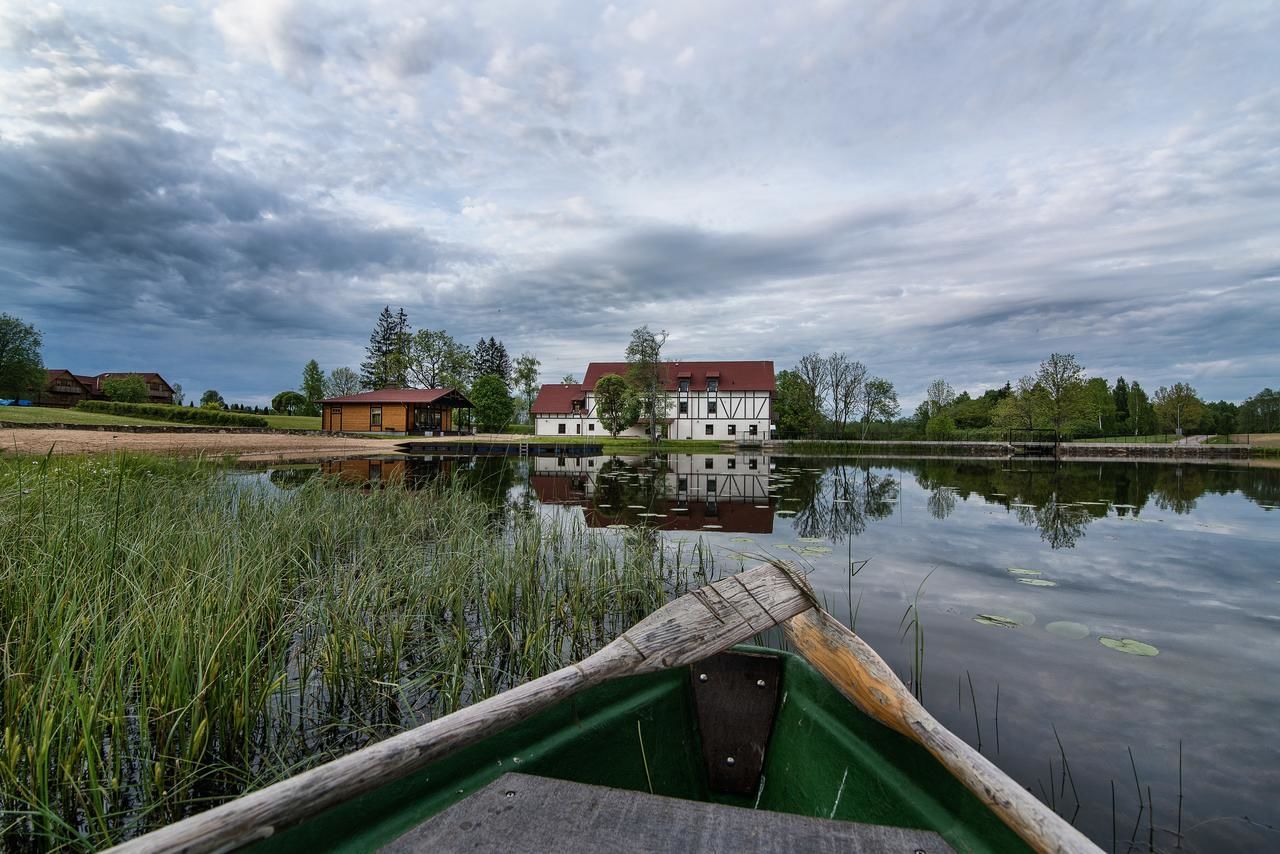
(523, 814)
(853, 667)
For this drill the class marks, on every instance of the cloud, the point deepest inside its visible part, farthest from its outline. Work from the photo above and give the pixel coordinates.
(936, 190)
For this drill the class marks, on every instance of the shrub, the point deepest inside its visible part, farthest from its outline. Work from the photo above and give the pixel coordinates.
(180, 414)
(940, 428)
(520, 429)
(127, 389)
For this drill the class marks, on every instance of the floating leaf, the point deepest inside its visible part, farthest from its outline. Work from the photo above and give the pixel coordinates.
(996, 620)
(712, 527)
(1038, 582)
(1129, 645)
(786, 512)
(815, 550)
(1067, 629)
(1024, 506)
(1018, 571)
(741, 540)
(762, 506)
(617, 527)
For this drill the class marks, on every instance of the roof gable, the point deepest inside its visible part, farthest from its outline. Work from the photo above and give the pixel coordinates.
(404, 395)
(557, 398)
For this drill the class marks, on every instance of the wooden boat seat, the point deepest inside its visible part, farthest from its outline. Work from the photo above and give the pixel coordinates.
(523, 814)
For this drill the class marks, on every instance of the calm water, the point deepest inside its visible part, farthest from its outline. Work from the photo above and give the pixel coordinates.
(1185, 558)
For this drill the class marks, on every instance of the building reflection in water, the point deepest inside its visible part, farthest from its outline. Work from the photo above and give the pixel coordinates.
(671, 491)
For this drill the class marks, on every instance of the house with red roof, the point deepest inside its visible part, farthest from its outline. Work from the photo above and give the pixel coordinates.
(727, 401)
(425, 411)
(63, 388)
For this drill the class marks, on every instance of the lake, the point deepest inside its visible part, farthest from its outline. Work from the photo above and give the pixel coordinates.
(1019, 572)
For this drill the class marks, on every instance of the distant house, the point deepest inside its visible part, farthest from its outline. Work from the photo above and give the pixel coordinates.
(427, 411)
(63, 388)
(708, 400)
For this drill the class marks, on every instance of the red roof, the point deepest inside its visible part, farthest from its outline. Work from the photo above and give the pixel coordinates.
(399, 395)
(557, 398)
(733, 376)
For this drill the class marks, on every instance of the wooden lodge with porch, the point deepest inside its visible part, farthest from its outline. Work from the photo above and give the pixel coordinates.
(63, 388)
(405, 411)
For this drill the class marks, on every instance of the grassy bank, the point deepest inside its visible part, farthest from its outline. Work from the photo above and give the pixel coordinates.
(58, 415)
(176, 635)
(293, 422)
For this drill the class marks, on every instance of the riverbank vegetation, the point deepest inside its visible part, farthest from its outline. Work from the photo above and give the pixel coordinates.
(176, 633)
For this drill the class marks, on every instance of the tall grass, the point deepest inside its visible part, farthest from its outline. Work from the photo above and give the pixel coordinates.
(172, 634)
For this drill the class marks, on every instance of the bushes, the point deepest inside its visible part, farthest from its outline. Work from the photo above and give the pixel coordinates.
(179, 414)
(522, 429)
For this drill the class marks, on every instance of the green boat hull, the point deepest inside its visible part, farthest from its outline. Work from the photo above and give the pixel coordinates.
(825, 759)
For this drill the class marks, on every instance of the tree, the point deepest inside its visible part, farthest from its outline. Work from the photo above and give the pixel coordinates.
(1220, 418)
(1261, 413)
(1020, 408)
(211, 398)
(1120, 396)
(341, 382)
(387, 356)
(617, 406)
(1142, 417)
(940, 428)
(177, 394)
(526, 379)
(289, 402)
(493, 406)
(793, 406)
(939, 396)
(1178, 406)
(312, 388)
(812, 371)
(844, 379)
(877, 402)
(1061, 378)
(21, 370)
(569, 379)
(647, 375)
(491, 358)
(1101, 403)
(436, 360)
(129, 388)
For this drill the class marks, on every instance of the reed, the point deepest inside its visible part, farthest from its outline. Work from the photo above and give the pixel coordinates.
(173, 634)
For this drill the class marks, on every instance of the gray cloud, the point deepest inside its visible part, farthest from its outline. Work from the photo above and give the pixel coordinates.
(937, 190)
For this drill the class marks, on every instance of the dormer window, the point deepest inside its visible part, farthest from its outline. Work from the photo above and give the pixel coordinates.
(713, 385)
(684, 385)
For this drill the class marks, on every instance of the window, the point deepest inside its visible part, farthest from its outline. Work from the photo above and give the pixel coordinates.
(591, 464)
(733, 464)
(375, 416)
(591, 427)
(711, 407)
(751, 464)
(561, 428)
(752, 430)
(579, 426)
(684, 385)
(682, 484)
(560, 462)
(733, 429)
(710, 430)
(711, 484)
(713, 385)
(684, 407)
(708, 463)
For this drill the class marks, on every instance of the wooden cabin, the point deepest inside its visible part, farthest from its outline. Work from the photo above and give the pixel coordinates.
(422, 411)
(63, 388)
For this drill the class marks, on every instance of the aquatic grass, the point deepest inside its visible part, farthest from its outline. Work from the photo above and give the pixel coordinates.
(173, 633)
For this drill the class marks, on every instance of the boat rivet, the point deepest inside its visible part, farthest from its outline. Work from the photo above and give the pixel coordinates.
(759, 683)
(729, 760)
(920, 851)
(513, 794)
(702, 677)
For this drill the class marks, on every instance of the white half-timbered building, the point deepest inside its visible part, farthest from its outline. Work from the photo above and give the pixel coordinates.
(726, 401)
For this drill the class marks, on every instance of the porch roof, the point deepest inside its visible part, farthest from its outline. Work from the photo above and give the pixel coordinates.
(440, 396)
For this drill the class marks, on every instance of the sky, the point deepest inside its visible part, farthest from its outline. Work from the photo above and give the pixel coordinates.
(220, 191)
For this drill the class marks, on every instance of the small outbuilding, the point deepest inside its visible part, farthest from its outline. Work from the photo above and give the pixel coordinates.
(420, 411)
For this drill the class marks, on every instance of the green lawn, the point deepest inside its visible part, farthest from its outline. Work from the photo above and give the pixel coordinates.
(57, 415)
(1157, 439)
(294, 422)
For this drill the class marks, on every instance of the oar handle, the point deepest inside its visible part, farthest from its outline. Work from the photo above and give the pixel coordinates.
(862, 676)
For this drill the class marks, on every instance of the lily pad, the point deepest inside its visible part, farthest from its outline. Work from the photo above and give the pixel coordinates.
(1129, 645)
(997, 620)
(786, 512)
(815, 550)
(712, 527)
(1024, 506)
(1038, 582)
(762, 506)
(617, 527)
(1014, 570)
(741, 540)
(1067, 629)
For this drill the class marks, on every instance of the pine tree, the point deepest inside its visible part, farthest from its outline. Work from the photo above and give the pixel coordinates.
(491, 359)
(379, 369)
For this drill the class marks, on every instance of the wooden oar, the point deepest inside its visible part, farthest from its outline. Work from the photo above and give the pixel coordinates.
(862, 676)
(689, 629)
